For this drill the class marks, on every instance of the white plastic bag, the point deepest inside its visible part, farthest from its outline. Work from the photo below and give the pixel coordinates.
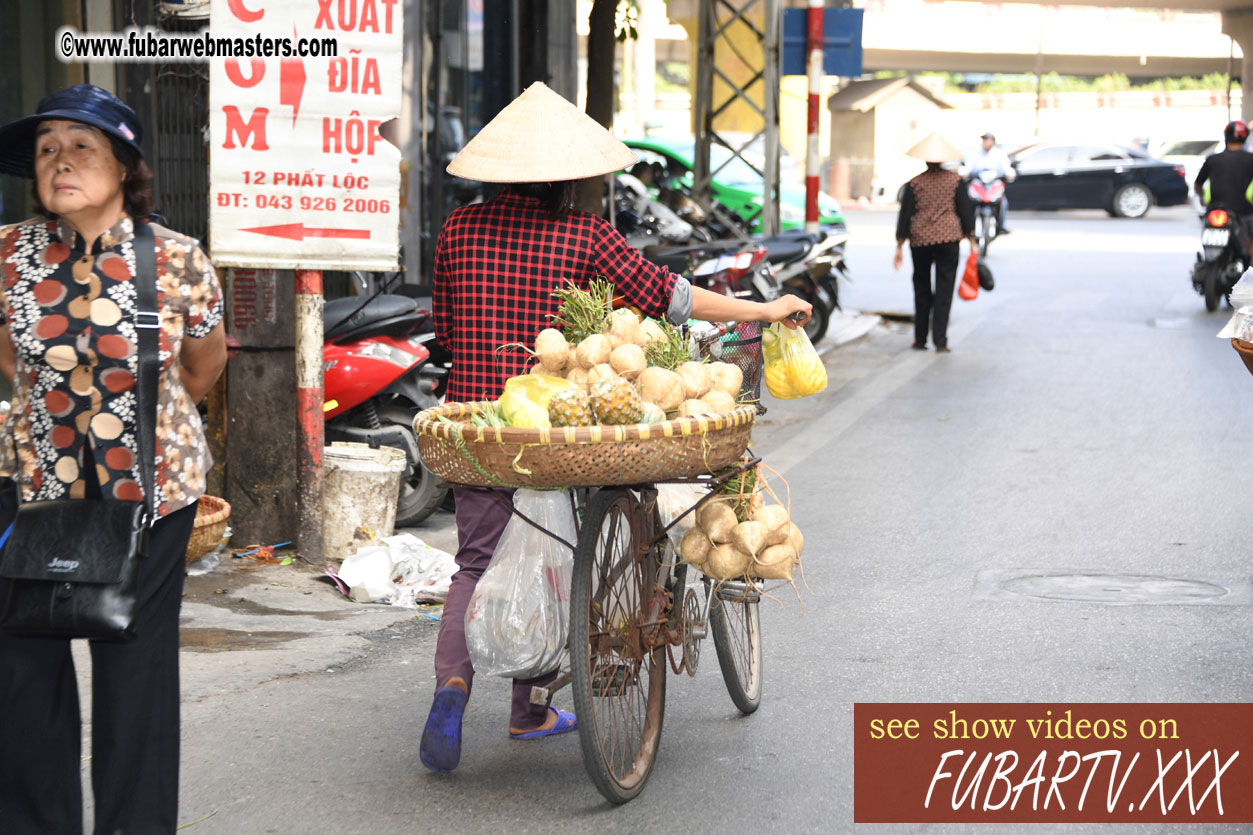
(401, 570)
(519, 614)
(673, 500)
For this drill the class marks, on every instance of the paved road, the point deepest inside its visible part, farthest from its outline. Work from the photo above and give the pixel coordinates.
(1087, 421)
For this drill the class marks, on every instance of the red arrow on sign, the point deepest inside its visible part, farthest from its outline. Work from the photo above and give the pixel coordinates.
(298, 232)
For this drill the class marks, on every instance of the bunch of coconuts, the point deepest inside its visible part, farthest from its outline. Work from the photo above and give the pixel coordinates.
(766, 546)
(621, 352)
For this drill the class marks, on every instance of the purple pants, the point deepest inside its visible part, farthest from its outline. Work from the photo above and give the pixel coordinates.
(481, 519)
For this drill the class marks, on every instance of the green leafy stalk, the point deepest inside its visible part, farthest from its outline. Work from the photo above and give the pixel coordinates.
(671, 352)
(583, 312)
(739, 491)
(488, 417)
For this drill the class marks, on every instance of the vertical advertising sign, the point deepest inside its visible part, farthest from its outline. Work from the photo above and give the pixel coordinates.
(299, 175)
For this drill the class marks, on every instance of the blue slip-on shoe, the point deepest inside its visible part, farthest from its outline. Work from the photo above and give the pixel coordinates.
(565, 722)
(441, 739)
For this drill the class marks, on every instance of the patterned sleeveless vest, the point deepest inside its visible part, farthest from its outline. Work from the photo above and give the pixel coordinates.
(935, 218)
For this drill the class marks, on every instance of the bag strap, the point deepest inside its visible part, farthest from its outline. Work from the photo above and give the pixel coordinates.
(148, 353)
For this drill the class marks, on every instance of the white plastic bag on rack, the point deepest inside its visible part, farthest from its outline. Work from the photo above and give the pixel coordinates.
(673, 500)
(519, 614)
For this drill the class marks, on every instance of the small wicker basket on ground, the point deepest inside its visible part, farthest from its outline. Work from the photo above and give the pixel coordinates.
(1245, 350)
(211, 516)
(585, 456)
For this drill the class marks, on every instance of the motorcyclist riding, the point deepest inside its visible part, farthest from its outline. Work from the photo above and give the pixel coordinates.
(1230, 179)
(993, 159)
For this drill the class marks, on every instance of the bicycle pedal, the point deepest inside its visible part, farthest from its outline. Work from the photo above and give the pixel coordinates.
(610, 681)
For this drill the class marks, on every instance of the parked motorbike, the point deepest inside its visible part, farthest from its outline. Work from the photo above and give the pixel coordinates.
(645, 221)
(809, 265)
(1223, 258)
(731, 268)
(375, 380)
(986, 190)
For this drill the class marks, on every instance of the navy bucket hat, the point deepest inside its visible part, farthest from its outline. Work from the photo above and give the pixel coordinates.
(84, 103)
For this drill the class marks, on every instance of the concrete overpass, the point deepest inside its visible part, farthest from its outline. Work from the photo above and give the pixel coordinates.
(957, 36)
(1115, 48)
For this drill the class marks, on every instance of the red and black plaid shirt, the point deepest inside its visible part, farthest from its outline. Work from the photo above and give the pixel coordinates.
(496, 266)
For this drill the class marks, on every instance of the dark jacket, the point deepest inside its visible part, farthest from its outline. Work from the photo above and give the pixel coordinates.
(1230, 174)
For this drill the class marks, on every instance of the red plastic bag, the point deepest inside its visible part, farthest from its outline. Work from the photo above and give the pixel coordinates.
(969, 289)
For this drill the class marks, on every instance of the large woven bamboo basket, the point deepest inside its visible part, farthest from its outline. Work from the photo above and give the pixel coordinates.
(586, 456)
(210, 524)
(1245, 350)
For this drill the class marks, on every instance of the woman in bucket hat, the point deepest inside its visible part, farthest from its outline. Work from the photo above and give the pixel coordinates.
(496, 266)
(935, 215)
(67, 345)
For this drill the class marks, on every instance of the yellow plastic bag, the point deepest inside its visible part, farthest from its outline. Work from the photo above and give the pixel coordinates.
(793, 367)
(525, 401)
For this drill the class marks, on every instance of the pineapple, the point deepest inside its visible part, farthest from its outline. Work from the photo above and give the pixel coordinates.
(570, 408)
(616, 402)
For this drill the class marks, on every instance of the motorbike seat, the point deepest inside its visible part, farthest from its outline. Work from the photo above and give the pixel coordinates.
(799, 234)
(681, 259)
(341, 318)
(783, 251)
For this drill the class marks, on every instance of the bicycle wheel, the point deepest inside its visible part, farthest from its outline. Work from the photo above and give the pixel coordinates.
(736, 626)
(617, 645)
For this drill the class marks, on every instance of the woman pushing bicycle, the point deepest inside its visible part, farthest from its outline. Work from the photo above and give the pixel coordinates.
(497, 265)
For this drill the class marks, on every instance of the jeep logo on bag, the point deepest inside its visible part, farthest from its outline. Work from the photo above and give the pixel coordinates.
(62, 566)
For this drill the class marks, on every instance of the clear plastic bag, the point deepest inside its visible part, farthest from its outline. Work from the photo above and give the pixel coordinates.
(793, 367)
(673, 500)
(1244, 327)
(519, 614)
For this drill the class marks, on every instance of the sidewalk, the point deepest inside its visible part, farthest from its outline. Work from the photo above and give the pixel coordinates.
(244, 624)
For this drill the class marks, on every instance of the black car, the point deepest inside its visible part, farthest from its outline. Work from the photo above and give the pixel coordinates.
(1122, 181)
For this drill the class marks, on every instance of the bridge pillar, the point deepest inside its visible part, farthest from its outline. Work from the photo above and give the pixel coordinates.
(1238, 24)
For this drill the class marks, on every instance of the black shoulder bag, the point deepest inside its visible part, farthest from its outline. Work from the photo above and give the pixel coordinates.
(73, 564)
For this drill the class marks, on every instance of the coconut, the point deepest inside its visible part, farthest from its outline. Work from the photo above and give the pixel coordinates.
(717, 520)
(726, 562)
(795, 538)
(775, 563)
(661, 386)
(726, 377)
(593, 351)
(695, 547)
(695, 378)
(623, 327)
(774, 516)
(552, 349)
(718, 401)
(628, 360)
(650, 332)
(749, 536)
(601, 373)
(692, 408)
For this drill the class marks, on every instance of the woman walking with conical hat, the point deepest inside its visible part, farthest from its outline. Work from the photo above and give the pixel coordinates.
(497, 264)
(935, 215)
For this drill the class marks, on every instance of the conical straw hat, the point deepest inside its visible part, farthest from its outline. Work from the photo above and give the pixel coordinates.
(935, 148)
(540, 137)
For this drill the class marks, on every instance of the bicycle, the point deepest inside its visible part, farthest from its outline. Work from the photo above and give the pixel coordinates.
(635, 609)
(632, 608)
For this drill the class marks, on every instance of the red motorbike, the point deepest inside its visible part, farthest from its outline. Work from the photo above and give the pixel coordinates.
(986, 193)
(376, 377)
